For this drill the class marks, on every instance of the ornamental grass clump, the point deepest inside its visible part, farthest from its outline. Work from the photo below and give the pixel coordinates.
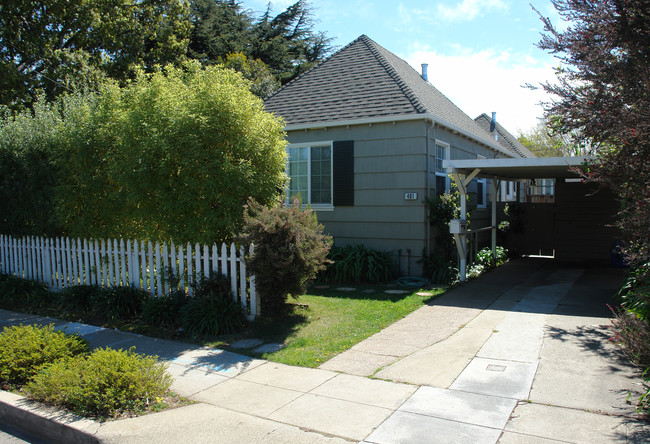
(26, 349)
(105, 383)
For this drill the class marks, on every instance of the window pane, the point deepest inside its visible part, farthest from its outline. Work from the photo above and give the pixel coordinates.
(321, 175)
(298, 172)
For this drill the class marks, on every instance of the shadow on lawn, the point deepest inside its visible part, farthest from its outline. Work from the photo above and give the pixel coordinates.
(372, 292)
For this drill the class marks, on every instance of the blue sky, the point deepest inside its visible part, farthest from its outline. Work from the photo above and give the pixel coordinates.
(480, 52)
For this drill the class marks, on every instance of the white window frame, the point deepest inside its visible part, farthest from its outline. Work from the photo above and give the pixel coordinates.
(444, 174)
(315, 206)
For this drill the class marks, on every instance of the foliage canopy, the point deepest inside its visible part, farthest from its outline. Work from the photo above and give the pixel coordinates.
(603, 95)
(174, 155)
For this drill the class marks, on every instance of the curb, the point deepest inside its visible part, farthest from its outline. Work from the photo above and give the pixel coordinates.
(40, 422)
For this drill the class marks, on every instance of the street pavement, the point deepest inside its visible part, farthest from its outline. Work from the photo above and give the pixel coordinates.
(519, 355)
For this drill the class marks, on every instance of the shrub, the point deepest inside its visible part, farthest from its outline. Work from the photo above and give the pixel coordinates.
(484, 257)
(17, 293)
(356, 263)
(212, 316)
(290, 249)
(165, 311)
(213, 310)
(79, 298)
(635, 292)
(105, 383)
(121, 303)
(26, 349)
(438, 269)
(215, 284)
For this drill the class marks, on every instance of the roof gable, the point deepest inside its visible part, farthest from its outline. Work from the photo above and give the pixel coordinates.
(363, 81)
(505, 139)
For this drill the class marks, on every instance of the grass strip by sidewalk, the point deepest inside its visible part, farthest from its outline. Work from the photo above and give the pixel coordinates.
(326, 322)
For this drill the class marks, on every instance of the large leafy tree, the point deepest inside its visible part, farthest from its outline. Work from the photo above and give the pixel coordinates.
(173, 155)
(603, 95)
(287, 42)
(544, 142)
(56, 46)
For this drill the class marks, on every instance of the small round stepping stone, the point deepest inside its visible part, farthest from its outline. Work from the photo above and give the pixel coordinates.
(396, 292)
(369, 290)
(346, 289)
(322, 287)
(269, 348)
(246, 343)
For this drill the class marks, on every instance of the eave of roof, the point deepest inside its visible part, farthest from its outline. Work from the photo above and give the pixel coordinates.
(398, 118)
(520, 168)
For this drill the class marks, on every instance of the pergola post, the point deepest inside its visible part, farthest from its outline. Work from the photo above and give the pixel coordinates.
(459, 228)
(494, 192)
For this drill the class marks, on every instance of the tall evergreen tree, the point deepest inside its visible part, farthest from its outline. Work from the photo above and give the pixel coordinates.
(57, 46)
(287, 43)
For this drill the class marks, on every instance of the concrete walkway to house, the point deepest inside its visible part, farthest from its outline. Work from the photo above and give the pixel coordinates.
(520, 355)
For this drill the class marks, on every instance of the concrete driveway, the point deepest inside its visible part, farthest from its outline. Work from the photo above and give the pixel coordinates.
(520, 355)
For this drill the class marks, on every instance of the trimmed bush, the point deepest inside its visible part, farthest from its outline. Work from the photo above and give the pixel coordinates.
(105, 383)
(290, 250)
(26, 349)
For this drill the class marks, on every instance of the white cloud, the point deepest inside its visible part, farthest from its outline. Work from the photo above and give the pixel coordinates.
(486, 81)
(469, 9)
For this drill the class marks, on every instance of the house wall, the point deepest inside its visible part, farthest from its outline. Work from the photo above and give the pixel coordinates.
(390, 159)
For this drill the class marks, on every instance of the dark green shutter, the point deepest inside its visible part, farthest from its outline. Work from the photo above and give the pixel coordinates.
(343, 173)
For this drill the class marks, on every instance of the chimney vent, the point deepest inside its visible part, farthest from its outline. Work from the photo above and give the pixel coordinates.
(425, 74)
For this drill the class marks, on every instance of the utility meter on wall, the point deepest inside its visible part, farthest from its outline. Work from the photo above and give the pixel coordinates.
(458, 226)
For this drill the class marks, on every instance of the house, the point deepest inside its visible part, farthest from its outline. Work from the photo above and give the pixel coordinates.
(367, 136)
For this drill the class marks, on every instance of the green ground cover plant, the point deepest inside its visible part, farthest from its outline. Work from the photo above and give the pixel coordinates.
(353, 264)
(26, 349)
(326, 322)
(104, 383)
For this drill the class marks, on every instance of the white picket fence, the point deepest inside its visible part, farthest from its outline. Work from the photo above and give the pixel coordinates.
(63, 262)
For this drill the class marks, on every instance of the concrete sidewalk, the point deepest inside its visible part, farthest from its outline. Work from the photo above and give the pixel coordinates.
(518, 355)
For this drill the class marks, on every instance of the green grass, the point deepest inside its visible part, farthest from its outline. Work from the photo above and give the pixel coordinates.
(327, 322)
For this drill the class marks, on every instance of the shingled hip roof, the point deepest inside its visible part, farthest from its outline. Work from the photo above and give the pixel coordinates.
(364, 81)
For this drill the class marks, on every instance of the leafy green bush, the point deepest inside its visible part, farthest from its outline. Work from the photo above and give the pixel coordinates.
(173, 155)
(17, 293)
(635, 292)
(485, 259)
(26, 349)
(212, 316)
(165, 311)
(105, 383)
(120, 303)
(79, 298)
(438, 269)
(356, 263)
(290, 250)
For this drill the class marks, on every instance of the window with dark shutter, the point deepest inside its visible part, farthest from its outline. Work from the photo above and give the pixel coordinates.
(343, 173)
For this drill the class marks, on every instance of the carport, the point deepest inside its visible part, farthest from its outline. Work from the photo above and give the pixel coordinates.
(578, 224)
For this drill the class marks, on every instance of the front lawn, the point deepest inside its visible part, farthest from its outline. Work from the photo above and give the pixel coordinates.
(329, 321)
